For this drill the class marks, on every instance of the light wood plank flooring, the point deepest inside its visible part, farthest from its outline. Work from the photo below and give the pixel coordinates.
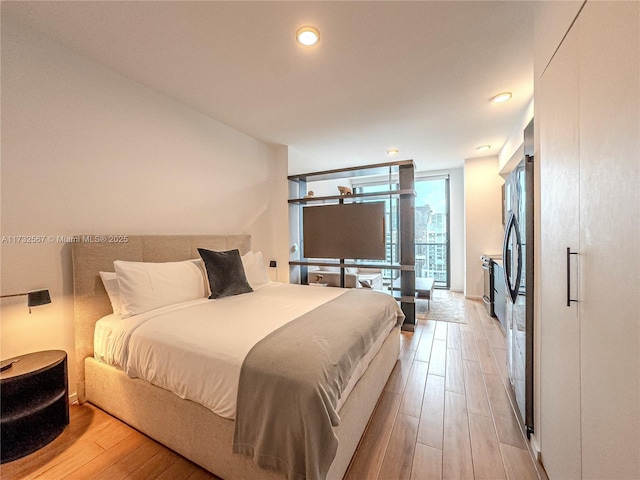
(95, 445)
(445, 413)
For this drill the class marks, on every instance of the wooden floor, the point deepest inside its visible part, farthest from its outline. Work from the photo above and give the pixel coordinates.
(445, 413)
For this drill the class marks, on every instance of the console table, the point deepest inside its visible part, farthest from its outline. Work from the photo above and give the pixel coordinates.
(35, 403)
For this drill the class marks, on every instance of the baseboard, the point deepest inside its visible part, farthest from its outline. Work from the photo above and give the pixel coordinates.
(73, 398)
(535, 446)
(473, 297)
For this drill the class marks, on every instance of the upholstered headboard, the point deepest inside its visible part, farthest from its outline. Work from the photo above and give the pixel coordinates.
(89, 258)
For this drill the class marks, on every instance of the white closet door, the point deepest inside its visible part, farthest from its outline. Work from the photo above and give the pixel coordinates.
(610, 239)
(557, 109)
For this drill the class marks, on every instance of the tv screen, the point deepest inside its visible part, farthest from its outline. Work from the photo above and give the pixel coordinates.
(354, 231)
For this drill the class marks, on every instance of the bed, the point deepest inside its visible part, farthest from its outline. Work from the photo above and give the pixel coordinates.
(186, 426)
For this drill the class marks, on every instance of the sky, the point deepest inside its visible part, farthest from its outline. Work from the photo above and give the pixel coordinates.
(432, 193)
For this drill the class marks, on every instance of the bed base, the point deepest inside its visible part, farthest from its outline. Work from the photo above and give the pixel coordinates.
(206, 438)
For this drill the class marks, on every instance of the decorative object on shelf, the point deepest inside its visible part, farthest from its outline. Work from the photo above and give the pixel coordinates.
(35, 298)
(344, 190)
(310, 194)
(352, 277)
(319, 278)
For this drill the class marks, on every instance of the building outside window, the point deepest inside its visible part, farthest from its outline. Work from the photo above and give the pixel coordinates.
(431, 228)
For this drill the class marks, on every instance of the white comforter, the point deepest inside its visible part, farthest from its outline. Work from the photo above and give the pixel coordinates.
(196, 349)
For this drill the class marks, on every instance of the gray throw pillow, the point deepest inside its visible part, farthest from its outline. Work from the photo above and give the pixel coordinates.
(225, 272)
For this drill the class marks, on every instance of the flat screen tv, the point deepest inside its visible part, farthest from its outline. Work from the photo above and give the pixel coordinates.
(345, 231)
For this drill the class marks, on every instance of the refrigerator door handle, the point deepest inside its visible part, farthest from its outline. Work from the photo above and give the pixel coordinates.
(512, 228)
(569, 299)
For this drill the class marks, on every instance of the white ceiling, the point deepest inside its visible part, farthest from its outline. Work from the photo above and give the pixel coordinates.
(416, 76)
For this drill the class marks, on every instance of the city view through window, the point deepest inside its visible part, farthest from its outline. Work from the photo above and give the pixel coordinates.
(431, 229)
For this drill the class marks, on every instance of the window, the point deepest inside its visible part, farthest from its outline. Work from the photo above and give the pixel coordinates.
(432, 229)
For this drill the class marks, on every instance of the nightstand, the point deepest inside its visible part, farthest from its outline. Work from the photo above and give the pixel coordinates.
(35, 403)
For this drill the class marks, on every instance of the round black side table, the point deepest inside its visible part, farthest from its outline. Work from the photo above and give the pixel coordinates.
(35, 402)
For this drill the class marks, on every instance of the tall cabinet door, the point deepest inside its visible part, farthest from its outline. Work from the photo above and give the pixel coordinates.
(588, 109)
(610, 239)
(557, 110)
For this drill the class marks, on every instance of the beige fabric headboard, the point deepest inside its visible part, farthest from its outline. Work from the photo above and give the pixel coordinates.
(90, 298)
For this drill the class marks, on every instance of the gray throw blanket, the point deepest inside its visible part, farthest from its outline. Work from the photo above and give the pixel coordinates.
(291, 381)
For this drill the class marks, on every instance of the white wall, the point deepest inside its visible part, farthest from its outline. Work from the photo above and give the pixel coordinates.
(279, 228)
(552, 21)
(86, 150)
(457, 230)
(483, 218)
(513, 152)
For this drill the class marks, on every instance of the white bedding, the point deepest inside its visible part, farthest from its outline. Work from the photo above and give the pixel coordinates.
(196, 348)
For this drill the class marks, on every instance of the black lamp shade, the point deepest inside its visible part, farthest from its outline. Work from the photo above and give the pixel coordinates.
(38, 297)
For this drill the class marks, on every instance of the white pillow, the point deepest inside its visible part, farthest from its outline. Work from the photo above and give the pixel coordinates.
(247, 259)
(198, 262)
(110, 282)
(147, 286)
(261, 275)
(254, 269)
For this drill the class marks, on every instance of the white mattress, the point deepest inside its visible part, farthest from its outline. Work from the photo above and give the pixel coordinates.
(178, 346)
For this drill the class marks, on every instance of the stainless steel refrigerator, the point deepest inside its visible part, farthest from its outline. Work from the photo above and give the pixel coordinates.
(518, 274)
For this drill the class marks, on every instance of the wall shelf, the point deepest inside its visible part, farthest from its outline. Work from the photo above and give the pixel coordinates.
(353, 196)
(352, 172)
(323, 263)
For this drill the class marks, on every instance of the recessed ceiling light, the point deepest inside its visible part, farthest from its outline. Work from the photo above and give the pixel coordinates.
(393, 152)
(308, 36)
(501, 97)
(483, 148)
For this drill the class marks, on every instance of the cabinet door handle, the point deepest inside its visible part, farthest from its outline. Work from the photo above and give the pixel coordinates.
(569, 299)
